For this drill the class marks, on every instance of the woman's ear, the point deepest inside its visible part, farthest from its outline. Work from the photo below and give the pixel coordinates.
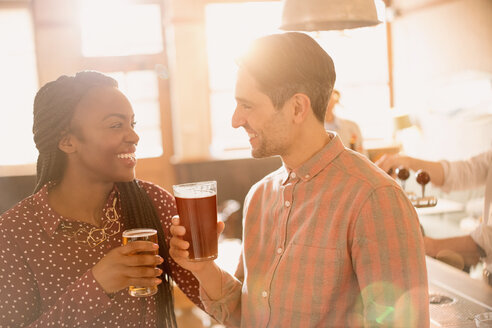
(302, 107)
(66, 144)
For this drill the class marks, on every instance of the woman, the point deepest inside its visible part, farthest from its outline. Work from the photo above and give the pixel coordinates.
(61, 259)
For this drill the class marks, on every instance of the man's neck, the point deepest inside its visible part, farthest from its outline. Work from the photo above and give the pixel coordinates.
(309, 143)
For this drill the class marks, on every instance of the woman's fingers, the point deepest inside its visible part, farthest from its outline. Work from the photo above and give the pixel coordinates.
(136, 247)
(142, 260)
(144, 282)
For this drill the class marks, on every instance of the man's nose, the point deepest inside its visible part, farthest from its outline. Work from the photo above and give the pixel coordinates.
(237, 119)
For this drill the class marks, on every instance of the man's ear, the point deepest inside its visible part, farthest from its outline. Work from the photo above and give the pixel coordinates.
(66, 143)
(302, 107)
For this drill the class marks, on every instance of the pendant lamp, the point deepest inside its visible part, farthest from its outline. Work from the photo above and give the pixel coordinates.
(322, 15)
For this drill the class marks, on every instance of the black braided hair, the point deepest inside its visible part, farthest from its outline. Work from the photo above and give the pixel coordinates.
(54, 107)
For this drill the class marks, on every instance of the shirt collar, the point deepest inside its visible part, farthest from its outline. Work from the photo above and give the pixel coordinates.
(317, 162)
(47, 217)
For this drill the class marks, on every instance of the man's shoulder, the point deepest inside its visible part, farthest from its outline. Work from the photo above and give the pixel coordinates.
(359, 167)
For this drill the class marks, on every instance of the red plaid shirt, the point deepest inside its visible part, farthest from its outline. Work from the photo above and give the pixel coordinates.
(333, 243)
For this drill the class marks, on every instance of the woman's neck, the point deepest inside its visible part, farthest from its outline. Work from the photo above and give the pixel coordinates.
(80, 202)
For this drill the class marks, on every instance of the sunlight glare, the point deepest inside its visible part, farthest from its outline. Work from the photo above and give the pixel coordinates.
(119, 28)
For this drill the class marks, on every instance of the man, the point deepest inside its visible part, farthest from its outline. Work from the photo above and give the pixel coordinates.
(329, 240)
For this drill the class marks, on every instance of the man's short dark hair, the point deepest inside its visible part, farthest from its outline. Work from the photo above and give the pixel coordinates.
(288, 63)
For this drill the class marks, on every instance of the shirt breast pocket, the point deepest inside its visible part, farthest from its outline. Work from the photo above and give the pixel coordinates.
(307, 277)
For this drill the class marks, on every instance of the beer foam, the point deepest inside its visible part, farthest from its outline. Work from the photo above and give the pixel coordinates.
(193, 193)
(138, 233)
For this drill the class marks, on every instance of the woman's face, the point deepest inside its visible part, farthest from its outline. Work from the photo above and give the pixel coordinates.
(103, 137)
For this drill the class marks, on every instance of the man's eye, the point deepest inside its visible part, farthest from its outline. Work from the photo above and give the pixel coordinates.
(134, 123)
(116, 125)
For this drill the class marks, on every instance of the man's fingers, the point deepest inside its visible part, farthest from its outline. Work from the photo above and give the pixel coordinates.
(220, 227)
(179, 244)
(177, 230)
(175, 220)
(178, 254)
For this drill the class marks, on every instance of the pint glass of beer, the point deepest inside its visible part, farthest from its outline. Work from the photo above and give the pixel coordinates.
(197, 209)
(146, 235)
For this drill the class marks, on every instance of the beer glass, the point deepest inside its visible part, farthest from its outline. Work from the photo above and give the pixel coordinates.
(197, 209)
(484, 320)
(146, 235)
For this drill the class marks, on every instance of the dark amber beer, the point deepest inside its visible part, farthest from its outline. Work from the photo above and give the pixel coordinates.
(145, 235)
(197, 209)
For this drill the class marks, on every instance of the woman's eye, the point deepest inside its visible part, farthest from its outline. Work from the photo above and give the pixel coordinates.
(134, 123)
(116, 125)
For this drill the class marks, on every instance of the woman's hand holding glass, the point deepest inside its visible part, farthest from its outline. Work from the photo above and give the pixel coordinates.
(123, 267)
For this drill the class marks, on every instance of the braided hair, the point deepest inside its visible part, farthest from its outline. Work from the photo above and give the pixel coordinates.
(54, 107)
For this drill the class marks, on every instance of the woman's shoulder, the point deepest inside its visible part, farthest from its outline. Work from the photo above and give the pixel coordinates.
(157, 193)
(20, 213)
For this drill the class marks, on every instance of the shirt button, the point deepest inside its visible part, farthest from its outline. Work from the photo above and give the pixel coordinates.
(293, 175)
(279, 250)
(264, 294)
(287, 203)
(306, 176)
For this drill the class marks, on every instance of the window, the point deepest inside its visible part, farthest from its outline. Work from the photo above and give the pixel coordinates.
(223, 46)
(133, 28)
(18, 83)
(360, 58)
(135, 32)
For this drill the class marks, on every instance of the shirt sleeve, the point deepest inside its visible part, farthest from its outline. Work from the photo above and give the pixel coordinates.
(227, 309)
(466, 174)
(389, 261)
(482, 235)
(20, 304)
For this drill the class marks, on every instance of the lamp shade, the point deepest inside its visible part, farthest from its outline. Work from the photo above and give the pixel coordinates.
(322, 15)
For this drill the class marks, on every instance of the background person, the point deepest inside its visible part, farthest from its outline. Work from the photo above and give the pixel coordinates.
(458, 175)
(348, 130)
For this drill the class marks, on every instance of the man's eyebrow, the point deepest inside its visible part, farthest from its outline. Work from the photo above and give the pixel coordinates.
(239, 99)
(122, 116)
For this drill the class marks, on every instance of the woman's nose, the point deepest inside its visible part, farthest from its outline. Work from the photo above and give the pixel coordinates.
(133, 137)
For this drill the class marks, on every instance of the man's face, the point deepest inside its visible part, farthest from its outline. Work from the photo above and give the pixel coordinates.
(268, 128)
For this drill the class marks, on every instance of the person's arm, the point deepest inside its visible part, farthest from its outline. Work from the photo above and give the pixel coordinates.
(221, 292)
(464, 246)
(434, 169)
(20, 303)
(82, 301)
(388, 257)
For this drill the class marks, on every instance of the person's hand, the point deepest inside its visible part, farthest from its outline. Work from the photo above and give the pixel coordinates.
(388, 163)
(178, 248)
(126, 266)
